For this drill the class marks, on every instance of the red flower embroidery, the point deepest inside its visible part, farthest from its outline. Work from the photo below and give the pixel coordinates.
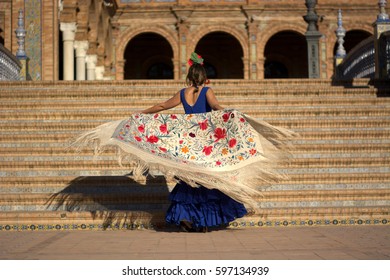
(203, 125)
(242, 120)
(219, 133)
(152, 139)
(180, 141)
(226, 117)
(156, 116)
(141, 128)
(218, 163)
(163, 128)
(232, 143)
(139, 139)
(252, 152)
(163, 149)
(173, 117)
(207, 150)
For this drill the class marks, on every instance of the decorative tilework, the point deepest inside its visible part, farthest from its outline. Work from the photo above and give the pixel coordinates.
(33, 13)
(235, 224)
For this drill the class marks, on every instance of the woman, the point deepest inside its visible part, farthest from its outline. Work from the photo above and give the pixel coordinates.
(197, 208)
(225, 157)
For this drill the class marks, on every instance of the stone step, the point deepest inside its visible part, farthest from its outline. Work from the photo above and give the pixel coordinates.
(53, 163)
(11, 115)
(287, 122)
(321, 148)
(307, 136)
(111, 219)
(316, 174)
(158, 97)
(136, 197)
(39, 104)
(360, 82)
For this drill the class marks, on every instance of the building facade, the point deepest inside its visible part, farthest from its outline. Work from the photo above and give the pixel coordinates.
(152, 39)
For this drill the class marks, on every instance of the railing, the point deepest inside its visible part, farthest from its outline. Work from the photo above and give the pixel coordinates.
(384, 54)
(359, 62)
(9, 65)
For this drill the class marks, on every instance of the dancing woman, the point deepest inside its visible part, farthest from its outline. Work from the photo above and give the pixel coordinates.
(197, 208)
(221, 158)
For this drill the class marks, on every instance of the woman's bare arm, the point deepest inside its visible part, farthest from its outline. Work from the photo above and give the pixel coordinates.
(170, 103)
(212, 100)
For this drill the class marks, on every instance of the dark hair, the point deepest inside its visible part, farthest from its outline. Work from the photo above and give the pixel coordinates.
(196, 76)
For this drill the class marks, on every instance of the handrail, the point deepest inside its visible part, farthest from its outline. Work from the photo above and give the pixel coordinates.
(10, 66)
(359, 62)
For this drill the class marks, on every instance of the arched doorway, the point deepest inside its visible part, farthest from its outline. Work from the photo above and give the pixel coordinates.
(286, 56)
(2, 41)
(148, 56)
(223, 55)
(352, 39)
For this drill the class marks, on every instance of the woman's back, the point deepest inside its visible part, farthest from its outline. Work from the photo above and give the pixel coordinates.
(195, 103)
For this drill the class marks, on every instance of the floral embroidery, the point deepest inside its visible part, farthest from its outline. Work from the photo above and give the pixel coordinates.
(163, 128)
(185, 149)
(232, 143)
(219, 133)
(152, 139)
(203, 125)
(141, 128)
(215, 139)
(207, 150)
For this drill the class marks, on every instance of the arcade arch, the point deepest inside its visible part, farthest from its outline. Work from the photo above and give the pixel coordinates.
(223, 55)
(285, 56)
(148, 56)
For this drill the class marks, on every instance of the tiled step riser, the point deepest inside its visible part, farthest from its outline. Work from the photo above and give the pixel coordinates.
(85, 164)
(69, 196)
(330, 173)
(318, 150)
(126, 104)
(297, 123)
(118, 114)
(99, 216)
(49, 136)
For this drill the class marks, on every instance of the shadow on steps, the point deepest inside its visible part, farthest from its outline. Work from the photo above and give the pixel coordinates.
(115, 201)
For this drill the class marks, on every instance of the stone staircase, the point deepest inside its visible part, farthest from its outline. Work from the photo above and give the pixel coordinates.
(339, 175)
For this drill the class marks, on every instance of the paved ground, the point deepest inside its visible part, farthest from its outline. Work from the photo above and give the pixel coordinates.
(276, 243)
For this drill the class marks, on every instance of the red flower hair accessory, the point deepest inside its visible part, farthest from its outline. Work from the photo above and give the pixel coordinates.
(195, 58)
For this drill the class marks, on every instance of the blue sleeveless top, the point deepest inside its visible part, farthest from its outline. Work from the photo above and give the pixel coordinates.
(200, 106)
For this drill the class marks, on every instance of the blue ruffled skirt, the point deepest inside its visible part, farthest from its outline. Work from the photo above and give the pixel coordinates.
(202, 207)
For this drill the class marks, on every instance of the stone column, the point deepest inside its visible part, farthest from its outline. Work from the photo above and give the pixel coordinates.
(91, 61)
(68, 35)
(313, 39)
(253, 64)
(183, 28)
(81, 48)
(99, 72)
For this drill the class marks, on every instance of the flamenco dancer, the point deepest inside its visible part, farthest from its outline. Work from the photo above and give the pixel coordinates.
(222, 159)
(199, 208)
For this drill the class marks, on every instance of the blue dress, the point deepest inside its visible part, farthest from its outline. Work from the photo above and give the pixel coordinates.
(201, 206)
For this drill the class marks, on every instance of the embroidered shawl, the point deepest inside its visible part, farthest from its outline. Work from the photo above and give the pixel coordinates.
(226, 149)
